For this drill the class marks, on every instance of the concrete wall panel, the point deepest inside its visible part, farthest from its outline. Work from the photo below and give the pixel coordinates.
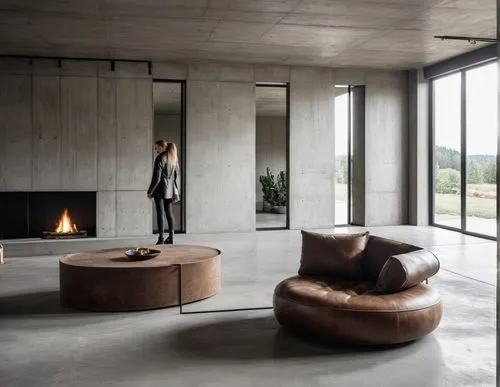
(134, 123)
(13, 66)
(79, 68)
(271, 73)
(312, 149)
(220, 156)
(133, 213)
(221, 72)
(46, 133)
(79, 133)
(106, 214)
(15, 133)
(386, 151)
(162, 70)
(107, 135)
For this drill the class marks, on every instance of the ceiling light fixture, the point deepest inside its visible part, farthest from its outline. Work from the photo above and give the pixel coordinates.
(470, 39)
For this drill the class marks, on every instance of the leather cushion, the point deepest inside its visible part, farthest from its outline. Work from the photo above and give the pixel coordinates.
(403, 271)
(346, 312)
(338, 255)
(378, 251)
(354, 295)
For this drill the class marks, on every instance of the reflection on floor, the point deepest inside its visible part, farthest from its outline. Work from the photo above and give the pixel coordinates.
(473, 224)
(43, 344)
(268, 220)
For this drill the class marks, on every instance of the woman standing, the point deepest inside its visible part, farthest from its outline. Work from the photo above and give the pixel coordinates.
(164, 187)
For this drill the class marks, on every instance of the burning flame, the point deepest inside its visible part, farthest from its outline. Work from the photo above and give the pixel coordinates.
(64, 225)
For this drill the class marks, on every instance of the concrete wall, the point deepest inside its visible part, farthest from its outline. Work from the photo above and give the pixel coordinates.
(168, 127)
(312, 148)
(220, 150)
(418, 211)
(84, 110)
(79, 127)
(386, 149)
(270, 150)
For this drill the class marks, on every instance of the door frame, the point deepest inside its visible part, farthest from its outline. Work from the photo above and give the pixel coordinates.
(285, 85)
(182, 228)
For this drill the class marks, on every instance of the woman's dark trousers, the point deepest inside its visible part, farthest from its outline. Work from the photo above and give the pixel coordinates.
(164, 206)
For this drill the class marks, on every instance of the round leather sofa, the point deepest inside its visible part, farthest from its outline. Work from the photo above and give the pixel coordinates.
(343, 311)
(359, 288)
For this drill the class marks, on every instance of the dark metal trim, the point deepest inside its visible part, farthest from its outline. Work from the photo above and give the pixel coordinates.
(183, 147)
(181, 286)
(61, 58)
(227, 310)
(270, 228)
(432, 143)
(288, 156)
(349, 153)
(287, 86)
(181, 300)
(470, 233)
(470, 39)
(463, 153)
(184, 192)
(460, 62)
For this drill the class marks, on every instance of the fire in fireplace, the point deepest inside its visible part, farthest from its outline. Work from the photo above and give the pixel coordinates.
(64, 229)
(36, 214)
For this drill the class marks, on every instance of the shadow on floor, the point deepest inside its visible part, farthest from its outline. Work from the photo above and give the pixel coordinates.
(33, 303)
(262, 338)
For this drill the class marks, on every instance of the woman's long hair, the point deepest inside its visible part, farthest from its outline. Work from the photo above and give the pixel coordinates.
(172, 153)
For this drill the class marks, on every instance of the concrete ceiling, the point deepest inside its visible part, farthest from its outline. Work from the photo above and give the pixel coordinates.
(338, 33)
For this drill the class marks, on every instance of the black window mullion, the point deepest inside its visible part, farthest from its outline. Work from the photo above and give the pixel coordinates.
(463, 153)
(349, 154)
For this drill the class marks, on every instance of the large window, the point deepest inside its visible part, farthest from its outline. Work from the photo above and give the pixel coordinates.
(465, 140)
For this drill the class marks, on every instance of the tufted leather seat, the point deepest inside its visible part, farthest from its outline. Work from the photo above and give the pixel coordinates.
(353, 311)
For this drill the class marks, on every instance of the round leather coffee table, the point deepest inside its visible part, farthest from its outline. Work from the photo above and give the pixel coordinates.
(107, 280)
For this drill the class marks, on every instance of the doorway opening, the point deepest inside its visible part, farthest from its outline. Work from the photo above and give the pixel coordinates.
(343, 155)
(169, 105)
(271, 156)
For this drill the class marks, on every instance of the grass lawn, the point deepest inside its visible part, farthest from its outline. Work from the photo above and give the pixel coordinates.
(449, 204)
(479, 207)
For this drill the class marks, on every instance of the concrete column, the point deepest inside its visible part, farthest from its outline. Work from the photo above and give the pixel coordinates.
(418, 90)
(386, 149)
(312, 148)
(220, 152)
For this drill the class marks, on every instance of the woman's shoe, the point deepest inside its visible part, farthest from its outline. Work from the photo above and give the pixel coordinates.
(159, 241)
(169, 240)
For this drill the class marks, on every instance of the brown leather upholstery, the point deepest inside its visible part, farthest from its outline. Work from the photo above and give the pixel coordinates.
(377, 252)
(406, 270)
(354, 312)
(339, 255)
(348, 310)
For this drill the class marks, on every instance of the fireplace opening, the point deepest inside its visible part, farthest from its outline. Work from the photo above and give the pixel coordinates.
(65, 229)
(47, 215)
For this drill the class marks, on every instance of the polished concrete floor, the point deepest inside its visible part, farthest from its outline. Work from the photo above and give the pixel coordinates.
(44, 345)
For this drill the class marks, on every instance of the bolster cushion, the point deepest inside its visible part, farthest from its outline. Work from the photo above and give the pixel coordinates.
(403, 271)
